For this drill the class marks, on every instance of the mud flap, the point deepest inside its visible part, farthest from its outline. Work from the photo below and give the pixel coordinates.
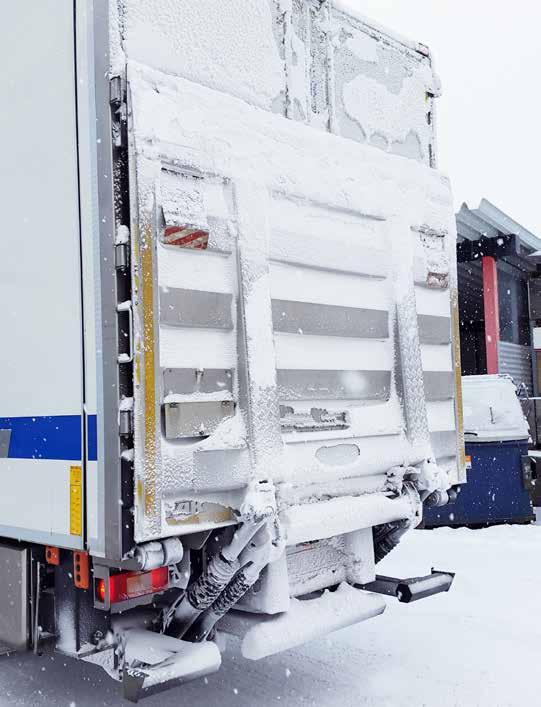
(132, 683)
(154, 661)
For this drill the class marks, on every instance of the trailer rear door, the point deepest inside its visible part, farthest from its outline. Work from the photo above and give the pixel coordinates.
(292, 310)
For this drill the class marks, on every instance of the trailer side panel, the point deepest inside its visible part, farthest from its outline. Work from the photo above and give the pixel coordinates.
(41, 377)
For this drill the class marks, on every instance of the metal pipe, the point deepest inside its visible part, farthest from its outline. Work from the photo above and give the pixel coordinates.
(324, 519)
(36, 631)
(159, 553)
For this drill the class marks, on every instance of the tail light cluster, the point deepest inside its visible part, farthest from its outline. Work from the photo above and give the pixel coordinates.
(129, 585)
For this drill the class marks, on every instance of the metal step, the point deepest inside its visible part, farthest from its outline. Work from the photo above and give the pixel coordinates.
(412, 588)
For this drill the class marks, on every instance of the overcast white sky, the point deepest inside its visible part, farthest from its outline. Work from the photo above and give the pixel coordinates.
(488, 56)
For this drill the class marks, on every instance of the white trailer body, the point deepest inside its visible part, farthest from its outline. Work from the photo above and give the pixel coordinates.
(228, 275)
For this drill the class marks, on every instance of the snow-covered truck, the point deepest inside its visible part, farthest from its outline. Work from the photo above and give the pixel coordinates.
(228, 381)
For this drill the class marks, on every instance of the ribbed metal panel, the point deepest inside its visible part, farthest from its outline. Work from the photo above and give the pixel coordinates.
(470, 279)
(516, 361)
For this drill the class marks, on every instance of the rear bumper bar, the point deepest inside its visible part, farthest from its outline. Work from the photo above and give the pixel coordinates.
(306, 620)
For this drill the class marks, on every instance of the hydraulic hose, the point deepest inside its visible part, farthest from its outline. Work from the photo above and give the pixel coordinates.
(387, 537)
(202, 593)
(254, 558)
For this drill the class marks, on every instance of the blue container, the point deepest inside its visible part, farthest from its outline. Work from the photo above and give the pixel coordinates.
(495, 490)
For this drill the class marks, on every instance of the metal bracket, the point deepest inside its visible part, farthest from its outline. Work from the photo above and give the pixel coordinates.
(316, 420)
(498, 247)
(412, 589)
(196, 419)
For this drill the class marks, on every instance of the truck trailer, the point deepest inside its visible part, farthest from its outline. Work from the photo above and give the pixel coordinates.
(230, 373)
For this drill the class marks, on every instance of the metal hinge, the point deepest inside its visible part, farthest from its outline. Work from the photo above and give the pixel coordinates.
(125, 422)
(122, 251)
(127, 308)
(121, 256)
(117, 99)
(117, 91)
(125, 416)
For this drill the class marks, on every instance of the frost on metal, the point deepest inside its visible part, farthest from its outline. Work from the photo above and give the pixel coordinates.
(302, 351)
(226, 46)
(309, 60)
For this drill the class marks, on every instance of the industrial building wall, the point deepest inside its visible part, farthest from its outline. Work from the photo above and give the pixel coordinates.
(472, 319)
(514, 350)
(516, 361)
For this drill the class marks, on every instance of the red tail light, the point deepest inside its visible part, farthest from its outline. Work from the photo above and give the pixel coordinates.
(129, 585)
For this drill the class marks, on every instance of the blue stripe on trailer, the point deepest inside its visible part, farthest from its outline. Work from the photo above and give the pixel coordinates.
(92, 438)
(50, 437)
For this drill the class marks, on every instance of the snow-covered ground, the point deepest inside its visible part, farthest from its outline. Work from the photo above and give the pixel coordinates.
(476, 646)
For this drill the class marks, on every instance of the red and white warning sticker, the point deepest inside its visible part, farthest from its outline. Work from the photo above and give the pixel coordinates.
(186, 236)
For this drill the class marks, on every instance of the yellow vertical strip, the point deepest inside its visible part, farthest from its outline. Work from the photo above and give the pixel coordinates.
(76, 500)
(147, 271)
(455, 324)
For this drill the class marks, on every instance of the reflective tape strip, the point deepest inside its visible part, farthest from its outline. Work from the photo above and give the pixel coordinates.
(333, 385)
(329, 320)
(193, 380)
(434, 330)
(76, 500)
(151, 503)
(457, 364)
(439, 385)
(186, 236)
(195, 308)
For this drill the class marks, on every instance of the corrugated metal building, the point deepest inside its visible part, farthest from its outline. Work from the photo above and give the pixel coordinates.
(495, 266)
